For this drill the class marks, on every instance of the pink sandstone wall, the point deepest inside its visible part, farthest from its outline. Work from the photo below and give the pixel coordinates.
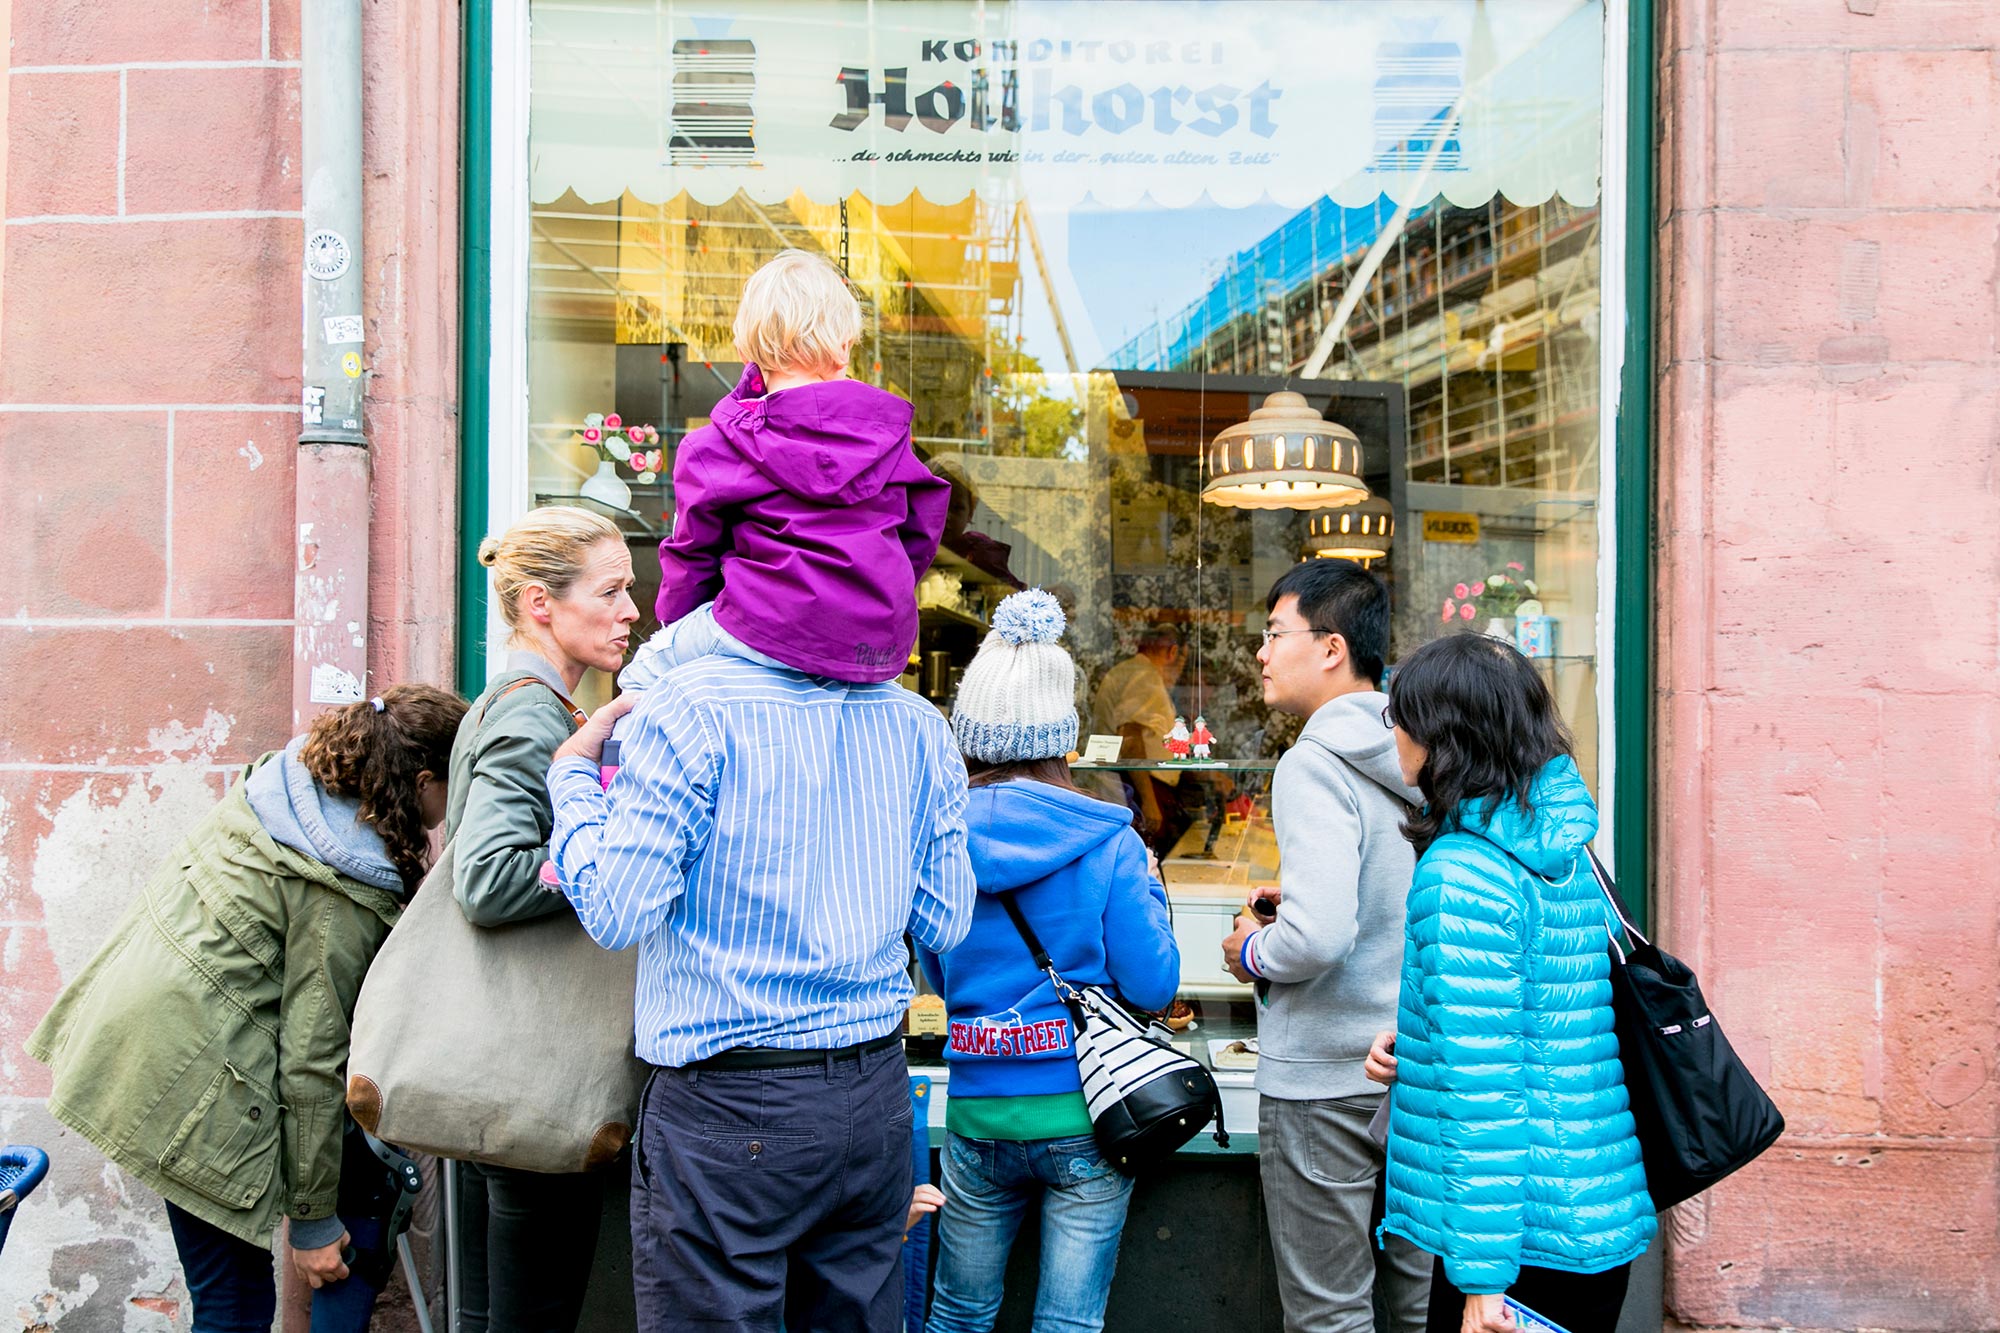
(1828, 793)
(149, 382)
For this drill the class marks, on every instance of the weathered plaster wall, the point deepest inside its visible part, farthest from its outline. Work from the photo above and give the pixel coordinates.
(149, 377)
(1828, 798)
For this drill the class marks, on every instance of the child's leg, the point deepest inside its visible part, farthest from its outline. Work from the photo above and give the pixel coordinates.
(694, 635)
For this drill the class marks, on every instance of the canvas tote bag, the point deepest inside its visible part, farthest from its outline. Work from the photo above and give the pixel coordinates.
(509, 1045)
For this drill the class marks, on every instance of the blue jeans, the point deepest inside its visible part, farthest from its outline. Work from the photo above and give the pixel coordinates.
(233, 1288)
(988, 1184)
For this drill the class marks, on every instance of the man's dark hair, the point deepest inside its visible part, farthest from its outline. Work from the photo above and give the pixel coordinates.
(1160, 636)
(1340, 597)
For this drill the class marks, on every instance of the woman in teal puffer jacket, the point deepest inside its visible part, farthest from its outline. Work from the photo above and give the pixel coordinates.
(1512, 1155)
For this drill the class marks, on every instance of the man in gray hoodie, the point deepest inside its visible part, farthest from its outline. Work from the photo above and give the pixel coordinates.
(1328, 965)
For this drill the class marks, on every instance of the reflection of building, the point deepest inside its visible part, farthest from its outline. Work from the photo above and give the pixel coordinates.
(1488, 316)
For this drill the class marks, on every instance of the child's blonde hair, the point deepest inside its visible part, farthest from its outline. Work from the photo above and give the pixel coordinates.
(797, 313)
(547, 546)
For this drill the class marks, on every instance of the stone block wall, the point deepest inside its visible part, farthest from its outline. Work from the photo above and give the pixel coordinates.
(1827, 800)
(149, 381)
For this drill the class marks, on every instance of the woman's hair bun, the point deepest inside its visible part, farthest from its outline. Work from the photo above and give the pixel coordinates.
(489, 551)
(1032, 616)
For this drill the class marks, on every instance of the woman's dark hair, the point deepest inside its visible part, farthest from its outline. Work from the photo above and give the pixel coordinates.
(375, 758)
(1054, 770)
(1487, 720)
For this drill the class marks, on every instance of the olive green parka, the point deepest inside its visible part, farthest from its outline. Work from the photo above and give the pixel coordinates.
(203, 1049)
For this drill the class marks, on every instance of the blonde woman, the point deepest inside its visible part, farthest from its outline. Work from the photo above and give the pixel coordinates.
(563, 580)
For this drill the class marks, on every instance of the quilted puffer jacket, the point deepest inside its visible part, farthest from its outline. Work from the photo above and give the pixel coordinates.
(1510, 1137)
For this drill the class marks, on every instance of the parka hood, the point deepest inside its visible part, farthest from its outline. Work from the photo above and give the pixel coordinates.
(836, 442)
(1022, 831)
(300, 814)
(1552, 833)
(1351, 727)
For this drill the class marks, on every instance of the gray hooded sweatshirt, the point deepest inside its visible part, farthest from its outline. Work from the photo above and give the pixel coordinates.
(1334, 955)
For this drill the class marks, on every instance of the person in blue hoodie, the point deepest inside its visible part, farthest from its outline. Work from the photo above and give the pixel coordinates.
(1017, 1126)
(1512, 1155)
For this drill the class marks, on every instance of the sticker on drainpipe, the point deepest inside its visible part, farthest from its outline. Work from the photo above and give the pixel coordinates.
(342, 329)
(312, 405)
(350, 365)
(334, 684)
(326, 255)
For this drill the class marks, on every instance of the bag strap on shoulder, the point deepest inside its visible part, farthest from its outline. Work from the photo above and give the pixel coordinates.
(1065, 991)
(1609, 889)
(577, 715)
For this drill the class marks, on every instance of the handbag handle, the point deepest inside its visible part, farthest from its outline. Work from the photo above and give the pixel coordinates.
(1609, 889)
(1068, 993)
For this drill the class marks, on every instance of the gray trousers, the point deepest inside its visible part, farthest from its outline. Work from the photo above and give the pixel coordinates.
(1322, 1174)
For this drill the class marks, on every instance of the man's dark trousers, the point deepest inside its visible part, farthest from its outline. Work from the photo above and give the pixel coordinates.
(744, 1180)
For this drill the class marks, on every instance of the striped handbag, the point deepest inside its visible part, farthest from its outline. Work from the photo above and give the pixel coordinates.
(1146, 1099)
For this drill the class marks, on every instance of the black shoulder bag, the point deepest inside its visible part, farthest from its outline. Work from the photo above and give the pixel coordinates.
(1700, 1113)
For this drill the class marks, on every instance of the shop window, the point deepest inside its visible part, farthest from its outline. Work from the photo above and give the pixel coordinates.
(1086, 240)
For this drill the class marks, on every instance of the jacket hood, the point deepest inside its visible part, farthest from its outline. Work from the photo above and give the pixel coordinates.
(836, 442)
(1022, 831)
(300, 814)
(1351, 727)
(1553, 833)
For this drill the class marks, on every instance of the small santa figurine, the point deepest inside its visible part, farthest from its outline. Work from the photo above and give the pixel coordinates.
(1177, 740)
(1202, 738)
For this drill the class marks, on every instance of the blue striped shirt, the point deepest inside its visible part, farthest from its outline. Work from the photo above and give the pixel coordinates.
(769, 839)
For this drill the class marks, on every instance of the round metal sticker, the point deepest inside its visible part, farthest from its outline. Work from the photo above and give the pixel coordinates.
(327, 255)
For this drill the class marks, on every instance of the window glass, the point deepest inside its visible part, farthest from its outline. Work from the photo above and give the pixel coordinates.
(1088, 240)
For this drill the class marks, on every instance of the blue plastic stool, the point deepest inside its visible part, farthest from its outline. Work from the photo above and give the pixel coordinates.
(917, 1246)
(21, 1169)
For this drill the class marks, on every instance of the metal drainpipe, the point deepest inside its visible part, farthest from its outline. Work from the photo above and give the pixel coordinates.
(330, 591)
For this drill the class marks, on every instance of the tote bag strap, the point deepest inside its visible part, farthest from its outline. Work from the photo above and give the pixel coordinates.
(1609, 889)
(576, 715)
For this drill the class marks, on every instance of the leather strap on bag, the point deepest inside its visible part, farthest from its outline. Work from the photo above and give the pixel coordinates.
(577, 715)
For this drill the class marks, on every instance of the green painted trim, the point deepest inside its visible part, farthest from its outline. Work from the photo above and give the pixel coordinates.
(1632, 627)
(475, 336)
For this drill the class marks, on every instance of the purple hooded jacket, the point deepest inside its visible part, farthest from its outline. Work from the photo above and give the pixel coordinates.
(808, 519)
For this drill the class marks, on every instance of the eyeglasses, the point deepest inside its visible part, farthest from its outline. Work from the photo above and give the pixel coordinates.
(1271, 634)
(1388, 720)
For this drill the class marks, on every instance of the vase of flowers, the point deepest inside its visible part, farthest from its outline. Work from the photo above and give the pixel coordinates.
(614, 442)
(1497, 597)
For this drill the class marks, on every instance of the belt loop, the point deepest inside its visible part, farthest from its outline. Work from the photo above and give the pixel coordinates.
(694, 1076)
(826, 1063)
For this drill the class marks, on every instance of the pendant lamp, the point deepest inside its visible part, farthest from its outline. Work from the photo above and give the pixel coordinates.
(1358, 532)
(1286, 456)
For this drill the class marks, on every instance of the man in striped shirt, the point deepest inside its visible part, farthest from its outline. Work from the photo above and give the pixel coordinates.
(768, 842)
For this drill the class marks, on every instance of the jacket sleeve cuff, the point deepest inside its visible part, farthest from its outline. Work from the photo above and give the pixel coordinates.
(1250, 953)
(320, 1231)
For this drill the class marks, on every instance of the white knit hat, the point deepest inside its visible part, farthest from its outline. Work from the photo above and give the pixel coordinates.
(1018, 698)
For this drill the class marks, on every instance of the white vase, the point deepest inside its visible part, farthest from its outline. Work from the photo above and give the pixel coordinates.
(1500, 627)
(607, 488)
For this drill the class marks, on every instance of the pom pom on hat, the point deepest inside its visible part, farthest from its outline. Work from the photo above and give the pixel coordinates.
(1018, 698)
(1033, 616)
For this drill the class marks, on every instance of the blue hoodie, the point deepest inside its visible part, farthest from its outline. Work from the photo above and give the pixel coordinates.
(302, 815)
(1081, 880)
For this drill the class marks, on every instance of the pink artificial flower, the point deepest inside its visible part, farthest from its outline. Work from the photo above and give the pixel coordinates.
(591, 435)
(652, 435)
(1461, 592)
(637, 435)
(1450, 609)
(1478, 589)
(1517, 567)
(612, 422)
(1465, 612)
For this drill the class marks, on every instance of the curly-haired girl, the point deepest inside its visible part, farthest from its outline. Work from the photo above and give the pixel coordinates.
(203, 1048)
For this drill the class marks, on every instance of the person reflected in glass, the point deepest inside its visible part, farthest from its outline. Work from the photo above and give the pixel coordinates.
(1512, 1154)
(1133, 701)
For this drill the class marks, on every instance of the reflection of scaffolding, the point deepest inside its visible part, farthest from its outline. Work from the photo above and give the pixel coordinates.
(1488, 316)
(937, 283)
